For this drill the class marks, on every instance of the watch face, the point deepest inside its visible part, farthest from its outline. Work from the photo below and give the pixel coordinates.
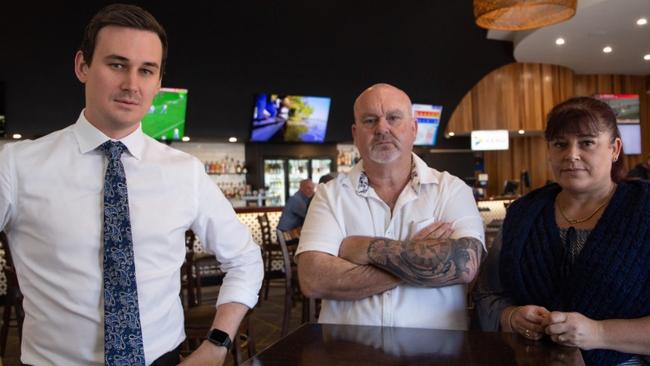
(218, 335)
(220, 338)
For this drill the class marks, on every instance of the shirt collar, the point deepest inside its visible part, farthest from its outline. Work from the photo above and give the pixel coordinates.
(89, 137)
(420, 174)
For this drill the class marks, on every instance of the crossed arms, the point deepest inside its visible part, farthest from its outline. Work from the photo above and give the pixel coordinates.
(371, 265)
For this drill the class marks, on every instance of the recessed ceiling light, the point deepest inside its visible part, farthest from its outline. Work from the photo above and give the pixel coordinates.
(521, 132)
(232, 139)
(452, 134)
(646, 57)
(607, 49)
(559, 41)
(185, 138)
(641, 21)
(16, 136)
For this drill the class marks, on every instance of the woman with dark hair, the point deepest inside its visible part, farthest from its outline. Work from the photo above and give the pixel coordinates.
(573, 258)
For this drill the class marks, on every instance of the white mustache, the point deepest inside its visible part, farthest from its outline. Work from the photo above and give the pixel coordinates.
(383, 139)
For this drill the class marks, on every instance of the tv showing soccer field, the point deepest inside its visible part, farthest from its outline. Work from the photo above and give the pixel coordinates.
(428, 119)
(625, 106)
(166, 117)
(289, 118)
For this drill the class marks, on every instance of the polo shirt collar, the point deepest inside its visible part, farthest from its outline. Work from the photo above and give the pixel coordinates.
(420, 174)
(89, 137)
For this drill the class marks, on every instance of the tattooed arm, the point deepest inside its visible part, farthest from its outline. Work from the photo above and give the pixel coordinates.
(322, 275)
(427, 262)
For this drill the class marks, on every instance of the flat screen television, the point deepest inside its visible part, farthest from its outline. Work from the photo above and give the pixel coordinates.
(485, 140)
(631, 136)
(289, 118)
(626, 106)
(166, 117)
(510, 187)
(428, 119)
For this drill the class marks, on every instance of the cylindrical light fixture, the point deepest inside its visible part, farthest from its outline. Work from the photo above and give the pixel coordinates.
(513, 15)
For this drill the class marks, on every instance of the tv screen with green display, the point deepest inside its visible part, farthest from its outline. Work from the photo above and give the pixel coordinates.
(166, 117)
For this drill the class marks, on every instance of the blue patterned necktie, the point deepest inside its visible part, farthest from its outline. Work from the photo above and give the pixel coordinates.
(122, 333)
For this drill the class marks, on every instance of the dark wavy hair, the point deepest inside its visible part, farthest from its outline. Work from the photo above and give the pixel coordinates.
(122, 15)
(585, 116)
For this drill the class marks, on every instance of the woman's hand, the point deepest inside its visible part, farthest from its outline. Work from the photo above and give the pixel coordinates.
(528, 320)
(574, 330)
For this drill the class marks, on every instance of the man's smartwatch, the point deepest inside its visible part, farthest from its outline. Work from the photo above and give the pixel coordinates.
(220, 338)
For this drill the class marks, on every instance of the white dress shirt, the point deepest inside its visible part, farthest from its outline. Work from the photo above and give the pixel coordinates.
(349, 206)
(51, 194)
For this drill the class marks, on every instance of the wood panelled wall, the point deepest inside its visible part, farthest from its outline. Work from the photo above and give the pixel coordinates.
(519, 96)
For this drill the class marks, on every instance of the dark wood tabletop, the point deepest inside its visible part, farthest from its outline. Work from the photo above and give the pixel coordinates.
(330, 344)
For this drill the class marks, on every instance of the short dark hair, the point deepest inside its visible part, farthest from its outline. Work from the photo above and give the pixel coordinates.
(122, 15)
(588, 116)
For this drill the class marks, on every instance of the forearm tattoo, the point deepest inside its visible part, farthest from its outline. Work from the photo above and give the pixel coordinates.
(427, 262)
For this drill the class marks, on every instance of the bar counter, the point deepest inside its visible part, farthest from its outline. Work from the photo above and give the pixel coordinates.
(330, 344)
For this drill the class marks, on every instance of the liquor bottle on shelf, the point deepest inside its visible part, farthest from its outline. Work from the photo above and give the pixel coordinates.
(238, 167)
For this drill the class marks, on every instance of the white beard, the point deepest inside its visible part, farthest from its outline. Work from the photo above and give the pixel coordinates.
(383, 155)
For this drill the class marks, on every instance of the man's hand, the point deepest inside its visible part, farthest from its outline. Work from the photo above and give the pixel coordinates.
(574, 330)
(207, 354)
(355, 248)
(437, 230)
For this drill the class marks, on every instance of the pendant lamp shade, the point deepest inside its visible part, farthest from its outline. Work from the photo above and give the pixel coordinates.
(515, 15)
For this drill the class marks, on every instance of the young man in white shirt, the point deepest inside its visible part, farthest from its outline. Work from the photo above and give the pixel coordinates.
(61, 235)
(393, 242)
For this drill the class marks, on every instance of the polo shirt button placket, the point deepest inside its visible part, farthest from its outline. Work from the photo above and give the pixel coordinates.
(387, 321)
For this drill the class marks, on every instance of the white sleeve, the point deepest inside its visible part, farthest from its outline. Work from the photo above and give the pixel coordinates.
(221, 233)
(321, 231)
(7, 192)
(462, 212)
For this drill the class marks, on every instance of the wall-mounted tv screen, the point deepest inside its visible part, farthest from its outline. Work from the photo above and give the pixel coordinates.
(489, 140)
(626, 106)
(631, 136)
(166, 117)
(289, 118)
(428, 119)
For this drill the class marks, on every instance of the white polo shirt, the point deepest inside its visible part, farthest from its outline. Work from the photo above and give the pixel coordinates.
(348, 206)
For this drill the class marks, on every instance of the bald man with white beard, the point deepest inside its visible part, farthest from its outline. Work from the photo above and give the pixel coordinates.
(393, 242)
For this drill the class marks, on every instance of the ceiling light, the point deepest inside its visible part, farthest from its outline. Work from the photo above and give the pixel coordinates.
(522, 14)
(16, 136)
(607, 49)
(185, 139)
(641, 21)
(521, 132)
(232, 139)
(559, 41)
(646, 57)
(452, 134)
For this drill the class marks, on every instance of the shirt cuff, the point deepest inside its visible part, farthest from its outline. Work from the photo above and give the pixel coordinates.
(233, 293)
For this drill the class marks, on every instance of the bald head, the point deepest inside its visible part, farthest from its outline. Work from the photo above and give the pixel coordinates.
(384, 128)
(307, 187)
(381, 93)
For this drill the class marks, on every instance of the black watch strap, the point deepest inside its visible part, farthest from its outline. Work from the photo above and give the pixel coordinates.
(220, 338)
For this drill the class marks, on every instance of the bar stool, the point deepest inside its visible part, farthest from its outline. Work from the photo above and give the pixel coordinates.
(289, 243)
(199, 268)
(198, 316)
(271, 253)
(13, 300)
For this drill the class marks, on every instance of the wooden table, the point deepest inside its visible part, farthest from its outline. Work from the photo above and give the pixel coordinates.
(329, 344)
